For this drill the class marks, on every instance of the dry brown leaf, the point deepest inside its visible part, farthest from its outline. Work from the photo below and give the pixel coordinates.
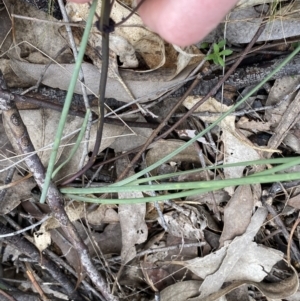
(279, 91)
(136, 135)
(17, 193)
(180, 291)
(10, 77)
(291, 140)
(42, 126)
(237, 214)
(294, 201)
(185, 225)
(187, 56)
(42, 238)
(39, 34)
(243, 23)
(289, 119)
(141, 86)
(242, 259)
(103, 214)
(252, 125)
(274, 291)
(163, 148)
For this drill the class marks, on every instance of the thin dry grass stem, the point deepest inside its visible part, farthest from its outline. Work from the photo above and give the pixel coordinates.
(31, 275)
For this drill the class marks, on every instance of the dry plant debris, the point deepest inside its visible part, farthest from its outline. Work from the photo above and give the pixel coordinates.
(235, 243)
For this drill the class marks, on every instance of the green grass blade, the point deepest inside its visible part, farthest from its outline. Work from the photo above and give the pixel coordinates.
(214, 167)
(203, 187)
(68, 100)
(281, 167)
(216, 184)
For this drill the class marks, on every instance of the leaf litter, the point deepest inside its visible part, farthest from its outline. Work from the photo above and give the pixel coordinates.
(179, 249)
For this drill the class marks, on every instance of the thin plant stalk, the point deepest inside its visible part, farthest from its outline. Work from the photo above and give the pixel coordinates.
(67, 103)
(213, 186)
(216, 184)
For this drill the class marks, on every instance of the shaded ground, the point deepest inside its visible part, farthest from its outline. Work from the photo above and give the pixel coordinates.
(236, 242)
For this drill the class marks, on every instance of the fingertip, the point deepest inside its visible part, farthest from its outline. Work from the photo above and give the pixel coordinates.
(183, 23)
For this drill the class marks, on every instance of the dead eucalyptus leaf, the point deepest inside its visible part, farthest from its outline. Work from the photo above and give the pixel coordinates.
(280, 91)
(243, 23)
(237, 214)
(294, 201)
(277, 290)
(254, 126)
(39, 34)
(136, 135)
(163, 148)
(103, 214)
(180, 291)
(142, 85)
(187, 225)
(242, 259)
(16, 193)
(187, 56)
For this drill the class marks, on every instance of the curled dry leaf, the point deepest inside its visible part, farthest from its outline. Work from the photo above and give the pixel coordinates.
(134, 40)
(187, 56)
(42, 238)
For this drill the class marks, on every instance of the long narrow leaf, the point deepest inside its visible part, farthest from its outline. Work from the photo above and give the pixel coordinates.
(216, 184)
(291, 162)
(67, 103)
(202, 188)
